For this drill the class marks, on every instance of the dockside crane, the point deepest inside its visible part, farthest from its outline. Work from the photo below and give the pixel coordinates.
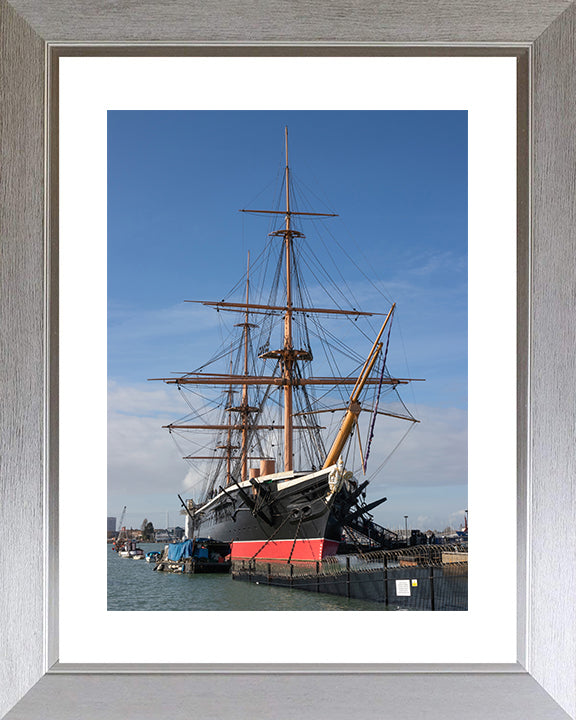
(116, 543)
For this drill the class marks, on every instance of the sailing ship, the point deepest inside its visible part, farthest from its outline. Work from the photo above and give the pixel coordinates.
(303, 498)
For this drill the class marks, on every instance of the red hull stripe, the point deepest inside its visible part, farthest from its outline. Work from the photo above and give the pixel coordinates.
(314, 549)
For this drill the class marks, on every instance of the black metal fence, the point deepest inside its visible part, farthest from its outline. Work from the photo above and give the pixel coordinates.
(425, 577)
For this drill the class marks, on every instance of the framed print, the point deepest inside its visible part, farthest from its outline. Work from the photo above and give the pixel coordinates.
(33, 681)
(482, 88)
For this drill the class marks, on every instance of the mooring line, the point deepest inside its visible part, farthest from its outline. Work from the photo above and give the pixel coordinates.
(288, 517)
(295, 536)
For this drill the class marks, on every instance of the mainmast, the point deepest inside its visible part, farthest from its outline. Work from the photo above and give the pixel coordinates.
(288, 364)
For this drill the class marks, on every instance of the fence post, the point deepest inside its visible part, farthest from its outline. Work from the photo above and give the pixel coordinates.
(317, 576)
(432, 603)
(385, 571)
(269, 573)
(348, 576)
(291, 575)
(249, 571)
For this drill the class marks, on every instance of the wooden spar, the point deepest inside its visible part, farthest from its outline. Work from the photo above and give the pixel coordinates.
(173, 426)
(221, 457)
(281, 308)
(354, 407)
(352, 413)
(355, 393)
(287, 178)
(290, 212)
(209, 379)
(343, 409)
(395, 415)
(317, 412)
(288, 363)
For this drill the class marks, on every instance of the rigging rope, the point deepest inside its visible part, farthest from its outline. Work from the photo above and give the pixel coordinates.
(373, 423)
(410, 427)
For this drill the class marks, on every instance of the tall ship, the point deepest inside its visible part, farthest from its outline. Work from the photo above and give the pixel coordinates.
(281, 449)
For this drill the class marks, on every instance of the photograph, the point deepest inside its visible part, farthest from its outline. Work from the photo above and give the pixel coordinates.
(287, 360)
(287, 304)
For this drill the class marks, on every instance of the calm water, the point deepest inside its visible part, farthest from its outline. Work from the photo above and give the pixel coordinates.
(133, 585)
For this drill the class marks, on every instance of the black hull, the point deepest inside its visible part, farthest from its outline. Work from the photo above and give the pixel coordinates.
(287, 517)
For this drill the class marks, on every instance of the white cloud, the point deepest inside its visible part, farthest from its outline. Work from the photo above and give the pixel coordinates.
(432, 263)
(143, 399)
(433, 453)
(456, 519)
(127, 324)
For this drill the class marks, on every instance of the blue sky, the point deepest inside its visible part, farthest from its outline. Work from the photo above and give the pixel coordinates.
(176, 180)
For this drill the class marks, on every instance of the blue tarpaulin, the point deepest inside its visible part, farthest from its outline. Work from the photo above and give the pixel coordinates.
(179, 551)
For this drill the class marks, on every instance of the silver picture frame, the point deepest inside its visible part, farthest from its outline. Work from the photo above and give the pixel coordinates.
(542, 35)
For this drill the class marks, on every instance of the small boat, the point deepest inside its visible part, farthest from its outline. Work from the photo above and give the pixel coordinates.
(200, 555)
(130, 550)
(153, 556)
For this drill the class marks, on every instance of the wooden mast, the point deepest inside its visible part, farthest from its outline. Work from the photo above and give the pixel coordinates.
(244, 404)
(215, 379)
(229, 443)
(288, 364)
(244, 408)
(354, 407)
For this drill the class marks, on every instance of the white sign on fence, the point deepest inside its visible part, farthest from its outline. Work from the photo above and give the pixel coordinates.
(403, 588)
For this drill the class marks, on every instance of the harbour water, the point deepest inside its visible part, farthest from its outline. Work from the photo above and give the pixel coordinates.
(133, 585)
